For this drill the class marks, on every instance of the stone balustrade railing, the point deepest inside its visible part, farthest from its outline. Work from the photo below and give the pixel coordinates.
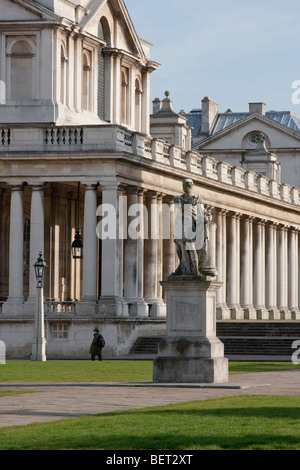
(115, 138)
(60, 307)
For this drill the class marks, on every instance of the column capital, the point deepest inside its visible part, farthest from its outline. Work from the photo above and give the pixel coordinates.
(248, 218)
(37, 186)
(151, 194)
(112, 184)
(283, 227)
(90, 186)
(234, 214)
(221, 211)
(260, 221)
(17, 187)
(130, 189)
(168, 199)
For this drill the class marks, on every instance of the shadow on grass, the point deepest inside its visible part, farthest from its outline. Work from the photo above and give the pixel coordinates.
(191, 428)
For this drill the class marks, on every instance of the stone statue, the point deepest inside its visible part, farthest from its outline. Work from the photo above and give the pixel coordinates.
(190, 234)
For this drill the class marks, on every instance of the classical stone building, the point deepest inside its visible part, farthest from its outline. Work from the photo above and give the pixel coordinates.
(77, 140)
(263, 141)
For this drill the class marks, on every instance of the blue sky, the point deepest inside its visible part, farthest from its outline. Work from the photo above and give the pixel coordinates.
(233, 51)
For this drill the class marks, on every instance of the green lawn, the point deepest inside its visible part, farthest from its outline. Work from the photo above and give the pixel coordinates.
(239, 422)
(106, 371)
(231, 423)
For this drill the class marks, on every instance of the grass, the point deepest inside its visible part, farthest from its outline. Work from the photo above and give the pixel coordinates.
(76, 371)
(107, 371)
(231, 423)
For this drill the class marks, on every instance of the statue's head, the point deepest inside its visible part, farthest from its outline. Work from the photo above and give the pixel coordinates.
(187, 184)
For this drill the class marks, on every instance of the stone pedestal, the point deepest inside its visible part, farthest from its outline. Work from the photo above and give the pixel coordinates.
(191, 352)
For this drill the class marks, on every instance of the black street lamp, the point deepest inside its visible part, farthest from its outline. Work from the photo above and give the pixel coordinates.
(39, 340)
(40, 267)
(77, 246)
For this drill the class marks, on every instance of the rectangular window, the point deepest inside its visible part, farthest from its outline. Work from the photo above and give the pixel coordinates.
(60, 331)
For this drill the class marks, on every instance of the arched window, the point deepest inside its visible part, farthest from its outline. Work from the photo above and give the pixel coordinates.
(21, 70)
(105, 35)
(86, 80)
(124, 95)
(63, 74)
(138, 105)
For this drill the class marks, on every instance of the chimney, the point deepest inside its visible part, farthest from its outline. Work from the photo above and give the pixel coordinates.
(209, 114)
(259, 108)
(157, 104)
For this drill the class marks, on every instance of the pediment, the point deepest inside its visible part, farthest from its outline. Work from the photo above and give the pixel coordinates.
(21, 10)
(114, 11)
(234, 136)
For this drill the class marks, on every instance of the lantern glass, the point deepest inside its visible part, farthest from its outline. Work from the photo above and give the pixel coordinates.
(77, 246)
(40, 269)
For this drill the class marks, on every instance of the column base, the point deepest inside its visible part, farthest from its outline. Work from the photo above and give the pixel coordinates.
(236, 312)
(223, 312)
(295, 313)
(262, 313)
(13, 307)
(30, 306)
(285, 313)
(110, 306)
(274, 313)
(249, 312)
(157, 309)
(137, 308)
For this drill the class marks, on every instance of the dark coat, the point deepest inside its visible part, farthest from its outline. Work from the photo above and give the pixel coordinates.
(95, 349)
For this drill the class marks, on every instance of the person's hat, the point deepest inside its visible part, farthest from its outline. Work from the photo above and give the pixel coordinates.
(96, 329)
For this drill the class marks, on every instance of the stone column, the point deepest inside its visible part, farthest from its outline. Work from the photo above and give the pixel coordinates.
(133, 255)
(259, 271)
(271, 271)
(15, 299)
(169, 248)
(293, 274)
(152, 295)
(282, 271)
(223, 312)
(112, 209)
(55, 246)
(233, 266)
(89, 261)
(247, 268)
(36, 234)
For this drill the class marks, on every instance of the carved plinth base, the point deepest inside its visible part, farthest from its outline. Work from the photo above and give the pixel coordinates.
(191, 352)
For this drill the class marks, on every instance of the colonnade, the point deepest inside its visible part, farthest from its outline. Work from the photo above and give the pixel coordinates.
(258, 266)
(257, 259)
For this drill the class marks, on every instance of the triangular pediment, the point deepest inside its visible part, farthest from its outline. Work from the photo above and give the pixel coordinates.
(21, 10)
(233, 136)
(114, 10)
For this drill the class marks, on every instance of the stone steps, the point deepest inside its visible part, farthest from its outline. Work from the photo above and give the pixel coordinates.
(242, 339)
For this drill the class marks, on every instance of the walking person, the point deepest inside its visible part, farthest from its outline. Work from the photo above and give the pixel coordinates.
(97, 345)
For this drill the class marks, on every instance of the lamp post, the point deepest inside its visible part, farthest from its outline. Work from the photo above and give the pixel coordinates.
(77, 245)
(39, 341)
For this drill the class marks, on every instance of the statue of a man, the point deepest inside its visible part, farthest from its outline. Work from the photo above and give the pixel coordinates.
(190, 231)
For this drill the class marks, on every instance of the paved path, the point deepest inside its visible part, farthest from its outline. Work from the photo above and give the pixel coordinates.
(66, 400)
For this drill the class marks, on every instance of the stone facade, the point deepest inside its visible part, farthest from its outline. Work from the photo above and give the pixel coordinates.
(54, 140)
